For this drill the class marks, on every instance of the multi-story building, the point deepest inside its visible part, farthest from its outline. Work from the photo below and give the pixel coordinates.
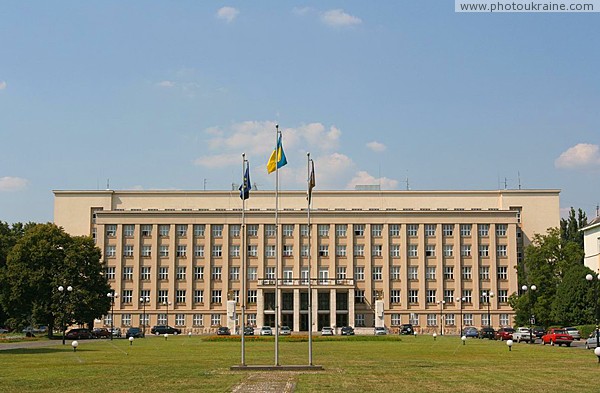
(415, 253)
(591, 243)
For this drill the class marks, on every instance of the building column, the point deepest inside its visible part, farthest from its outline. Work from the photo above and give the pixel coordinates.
(351, 315)
(260, 308)
(333, 309)
(296, 326)
(315, 310)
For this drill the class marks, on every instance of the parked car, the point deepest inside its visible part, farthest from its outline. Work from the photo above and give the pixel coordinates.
(522, 334)
(79, 334)
(574, 333)
(164, 329)
(116, 332)
(285, 331)
(266, 331)
(505, 333)
(223, 331)
(538, 331)
(347, 331)
(487, 332)
(407, 328)
(470, 331)
(326, 331)
(591, 342)
(3, 330)
(248, 331)
(134, 332)
(557, 336)
(101, 333)
(379, 331)
(36, 330)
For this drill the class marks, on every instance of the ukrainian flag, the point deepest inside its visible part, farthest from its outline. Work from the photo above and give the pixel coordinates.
(279, 161)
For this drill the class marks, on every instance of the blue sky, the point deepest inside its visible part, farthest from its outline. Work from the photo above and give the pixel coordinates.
(169, 94)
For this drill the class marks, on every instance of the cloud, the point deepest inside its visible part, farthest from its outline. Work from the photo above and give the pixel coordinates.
(376, 146)
(218, 160)
(301, 10)
(582, 155)
(227, 13)
(339, 18)
(364, 178)
(166, 84)
(3, 85)
(8, 183)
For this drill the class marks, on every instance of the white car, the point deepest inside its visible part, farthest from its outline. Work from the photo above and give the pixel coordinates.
(285, 331)
(573, 332)
(379, 331)
(327, 331)
(266, 331)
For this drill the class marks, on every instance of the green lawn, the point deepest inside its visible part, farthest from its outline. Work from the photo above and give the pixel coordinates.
(357, 364)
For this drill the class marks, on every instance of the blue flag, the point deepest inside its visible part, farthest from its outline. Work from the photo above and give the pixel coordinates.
(246, 187)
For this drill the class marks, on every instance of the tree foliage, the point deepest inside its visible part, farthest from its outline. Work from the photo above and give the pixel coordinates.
(570, 228)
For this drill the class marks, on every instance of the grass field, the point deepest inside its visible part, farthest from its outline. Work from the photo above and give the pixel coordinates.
(355, 364)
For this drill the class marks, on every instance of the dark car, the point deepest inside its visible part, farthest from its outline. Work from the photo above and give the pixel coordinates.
(505, 333)
(101, 333)
(248, 331)
(407, 328)
(347, 331)
(538, 331)
(470, 332)
(164, 329)
(79, 334)
(223, 331)
(134, 332)
(487, 332)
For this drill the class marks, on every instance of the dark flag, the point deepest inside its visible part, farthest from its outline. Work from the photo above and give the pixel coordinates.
(246, 187)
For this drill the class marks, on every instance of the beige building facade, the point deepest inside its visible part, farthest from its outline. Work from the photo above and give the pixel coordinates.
(591, 244)
(436, 259)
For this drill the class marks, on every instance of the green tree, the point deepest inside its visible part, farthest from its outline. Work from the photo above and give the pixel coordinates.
(570, 227)
(573, 303)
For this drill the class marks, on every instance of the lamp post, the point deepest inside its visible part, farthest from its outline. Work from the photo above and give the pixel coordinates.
(167, 303)
(460, 301)
(441, 303)
(112, 295)
(532, 289)
(144, 300)
(63, 293)
(488, 295)
(590, 278)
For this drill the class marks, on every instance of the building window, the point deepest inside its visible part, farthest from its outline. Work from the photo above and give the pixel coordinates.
(340, 250)
(323, 276)
(146, 230)
(341, 230)
(163, 272)
(501, 250)
(466, 272)
(413, 319)
(145, 273)
(179, 319)
(431, 319)
(413, 296)
(181, 251)
(215, 296)
(483, 230)
(395, 273)
(323, 230)
(359, 250)
(234, 250)
(467, 294)
(431, 298)
(126, 319)
(413, 272)
(450, 321)
(180, 296)
(217, 250)
(163, 250)
(396, 319)
(304, 250)
(251, 319)
(270, 251)
(412, 250)
(504, 320)
(448, 229)
(449, 295)
(199, 230)
(468, 319)
(484, 272)
(288, 250)
(430, 273)
(163, 230)
(181, 230)
(270, 273)
(501, 229)
(304, 230)
(376, 230)
(288, 230)
(198, 272)
(127, 273)
(395, 250)
(394, 230)
(359, 296)
(395, 296)
(430, 250)
(323, 250)
(465, 230)
(111, 230)
(502, 273)
(216, 273)
(127, 296)
(234, 230)
(252, 296)
(502, 296)
(198, 296)
(359, 320)
(359, 230)
(111, 251)
(197, 320)
(128, 230)
(161, 319)
(252, 230)
(128, 250)
(465, 250)
(448, 250)
(412, 229)
(146, 250)
(234, 273)
(252, 250)
(304, 276)
(377, 273)
(180, 273)
(215, 319)
(110, 272)
(252, 273)
(448, 272)
(485, 321)
(217, 230)
(359, 273)
(377, 250)
(484, 250)
(270, 230)
(430, 230)
(199, 251)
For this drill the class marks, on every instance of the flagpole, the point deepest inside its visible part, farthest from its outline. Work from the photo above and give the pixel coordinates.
(277, 245)
(243, 294)
(310, 355)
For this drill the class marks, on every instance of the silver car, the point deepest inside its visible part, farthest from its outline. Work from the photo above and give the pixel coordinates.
(379, 331)
(266, 331)
(574, 333)
(590, 343)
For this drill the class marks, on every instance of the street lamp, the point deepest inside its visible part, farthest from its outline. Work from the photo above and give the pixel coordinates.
(533, 288)
(460, 301)
(144, 300)
(590, 278)
(488, 295)
(112, 295)
(441, 303)
(166, 303)
(63, 293)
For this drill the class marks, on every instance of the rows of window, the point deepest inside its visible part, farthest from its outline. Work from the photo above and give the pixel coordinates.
(198, 320)
(431, 296)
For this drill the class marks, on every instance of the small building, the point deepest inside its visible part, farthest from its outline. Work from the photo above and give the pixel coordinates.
(591, 244)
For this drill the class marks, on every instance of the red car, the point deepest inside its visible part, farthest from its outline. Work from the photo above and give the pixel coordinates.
(504, 334)
(557, 336)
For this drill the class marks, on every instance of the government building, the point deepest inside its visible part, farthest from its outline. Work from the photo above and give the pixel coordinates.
(436, 259)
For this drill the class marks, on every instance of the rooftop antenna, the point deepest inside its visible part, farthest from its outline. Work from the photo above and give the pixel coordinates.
(108, 184)
(505, 183)
(519, 176)
(204, 184)
(597, 210)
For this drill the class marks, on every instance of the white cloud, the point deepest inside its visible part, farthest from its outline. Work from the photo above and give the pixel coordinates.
(376, 146)
(9, 183)
(364, 178)
(339, 18)
(301, 10)
(166, 84)
(3, 85)
(218, 160)
(227, 13)
(582, 155)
